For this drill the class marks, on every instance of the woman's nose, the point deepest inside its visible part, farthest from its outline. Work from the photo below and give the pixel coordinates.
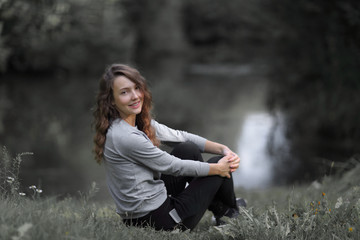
(135, 94)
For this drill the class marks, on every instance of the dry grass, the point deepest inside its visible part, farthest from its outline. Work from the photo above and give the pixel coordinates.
(326, 210)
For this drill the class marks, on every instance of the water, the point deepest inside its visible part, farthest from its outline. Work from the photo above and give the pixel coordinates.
(256, 166)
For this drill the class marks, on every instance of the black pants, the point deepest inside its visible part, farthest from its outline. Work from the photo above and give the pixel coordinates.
(211, 192)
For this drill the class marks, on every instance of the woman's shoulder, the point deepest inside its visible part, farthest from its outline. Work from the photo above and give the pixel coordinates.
(158, 126)
(126, 137)
(120, 129)
(122, 125)
(154, 122)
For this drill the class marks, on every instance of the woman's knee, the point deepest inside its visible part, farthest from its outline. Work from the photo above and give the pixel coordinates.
(187, 150)
(214, 159)
(187, 147)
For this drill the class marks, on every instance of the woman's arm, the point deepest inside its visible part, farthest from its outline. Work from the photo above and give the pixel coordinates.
(165, 133)
(169, 135)
(214, 147)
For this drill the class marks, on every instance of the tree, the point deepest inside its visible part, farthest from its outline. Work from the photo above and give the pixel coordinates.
(315, 80)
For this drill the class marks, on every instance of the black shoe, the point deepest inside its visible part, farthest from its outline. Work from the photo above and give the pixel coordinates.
(230, 213)
(240, 202)
(219, 222)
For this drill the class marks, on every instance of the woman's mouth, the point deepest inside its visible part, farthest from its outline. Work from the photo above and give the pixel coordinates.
(135, 105)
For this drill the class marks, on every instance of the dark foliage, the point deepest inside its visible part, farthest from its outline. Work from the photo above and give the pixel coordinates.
(312, 47)
(52, 36)
(227, 31)
(315, 81)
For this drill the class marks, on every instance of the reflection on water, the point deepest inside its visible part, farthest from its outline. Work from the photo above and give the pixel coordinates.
(256, 164)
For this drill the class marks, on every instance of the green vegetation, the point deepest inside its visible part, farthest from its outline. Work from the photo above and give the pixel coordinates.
(326, 210)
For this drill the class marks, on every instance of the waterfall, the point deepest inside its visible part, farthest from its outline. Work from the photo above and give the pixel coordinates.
(256, 165)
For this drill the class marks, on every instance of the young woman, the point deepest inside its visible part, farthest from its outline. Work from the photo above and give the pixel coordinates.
(150, 186)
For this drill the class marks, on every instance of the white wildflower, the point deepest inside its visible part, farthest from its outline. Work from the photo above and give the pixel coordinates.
(32, 187)
(22, 194)
(38, 190)
(10, 179)
(339, 202)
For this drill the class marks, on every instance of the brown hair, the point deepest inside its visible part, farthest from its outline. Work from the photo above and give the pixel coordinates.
(105, 112)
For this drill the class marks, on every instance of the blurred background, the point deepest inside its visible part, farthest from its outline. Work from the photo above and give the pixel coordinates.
(277, 81)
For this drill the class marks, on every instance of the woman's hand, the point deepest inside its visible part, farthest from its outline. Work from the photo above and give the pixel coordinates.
(224, 167)
(234, 158)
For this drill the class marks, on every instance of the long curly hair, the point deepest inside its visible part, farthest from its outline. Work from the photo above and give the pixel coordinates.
(105, 112)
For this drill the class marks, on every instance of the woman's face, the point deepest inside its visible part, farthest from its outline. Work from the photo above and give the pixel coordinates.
(128, 98)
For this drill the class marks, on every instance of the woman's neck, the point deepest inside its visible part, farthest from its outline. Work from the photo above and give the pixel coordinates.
(131, 120)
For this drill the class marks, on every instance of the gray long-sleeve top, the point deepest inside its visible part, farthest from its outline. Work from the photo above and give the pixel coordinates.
(133, 166)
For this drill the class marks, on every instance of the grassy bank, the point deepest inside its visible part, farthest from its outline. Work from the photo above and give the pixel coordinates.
(329, 209)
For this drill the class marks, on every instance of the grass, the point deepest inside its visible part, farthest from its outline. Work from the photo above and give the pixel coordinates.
(329, 209)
